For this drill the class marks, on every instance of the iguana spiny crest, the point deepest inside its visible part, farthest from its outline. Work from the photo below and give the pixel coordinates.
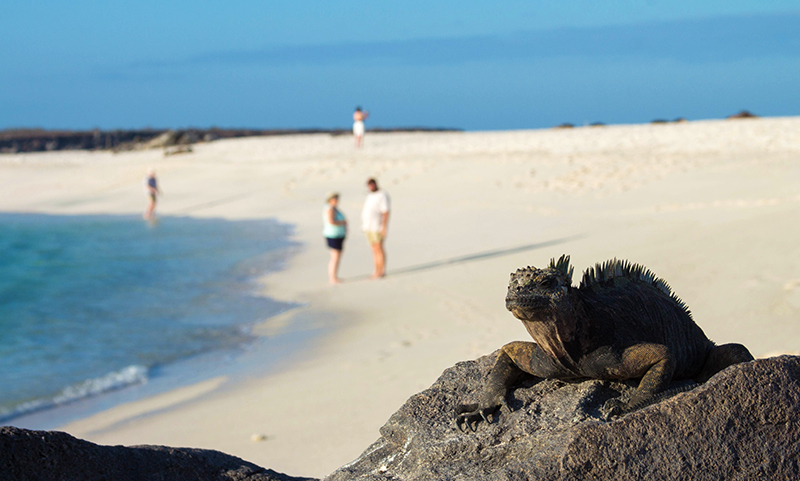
(531, 288)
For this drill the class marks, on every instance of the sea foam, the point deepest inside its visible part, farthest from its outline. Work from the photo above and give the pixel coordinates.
(112, 381)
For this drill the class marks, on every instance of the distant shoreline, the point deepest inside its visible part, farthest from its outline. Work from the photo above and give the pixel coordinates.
(179, 140)
(40, 140)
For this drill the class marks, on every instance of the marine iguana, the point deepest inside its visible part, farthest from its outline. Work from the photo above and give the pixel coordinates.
(622, 322)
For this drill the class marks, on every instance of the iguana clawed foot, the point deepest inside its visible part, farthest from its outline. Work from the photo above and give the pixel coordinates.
(612, 408)
(469, 415)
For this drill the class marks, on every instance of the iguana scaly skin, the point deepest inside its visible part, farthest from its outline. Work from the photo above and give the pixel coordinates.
(622, 322)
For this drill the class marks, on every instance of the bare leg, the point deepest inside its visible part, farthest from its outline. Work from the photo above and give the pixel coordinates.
(150, 209)
(379, 258)
(333, 266)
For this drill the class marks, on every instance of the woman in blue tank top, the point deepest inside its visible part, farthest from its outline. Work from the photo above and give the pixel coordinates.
(335, 230)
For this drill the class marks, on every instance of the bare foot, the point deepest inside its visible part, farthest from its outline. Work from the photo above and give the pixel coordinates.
(335, 281)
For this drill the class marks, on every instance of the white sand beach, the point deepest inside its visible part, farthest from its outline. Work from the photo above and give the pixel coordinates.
(710, 206)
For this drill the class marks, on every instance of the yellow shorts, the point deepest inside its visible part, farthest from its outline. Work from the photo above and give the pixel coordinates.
(374, 237)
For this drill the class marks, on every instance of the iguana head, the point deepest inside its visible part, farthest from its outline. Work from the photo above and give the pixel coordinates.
(541, 299)
(535, 292)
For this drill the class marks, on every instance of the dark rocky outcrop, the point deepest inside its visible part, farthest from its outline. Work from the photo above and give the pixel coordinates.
(665, 121)
(40, 140)
(744, 114)
(55, 456)
(743, 424)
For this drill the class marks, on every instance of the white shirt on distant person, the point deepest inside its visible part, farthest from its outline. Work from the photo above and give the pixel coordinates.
(376, 204)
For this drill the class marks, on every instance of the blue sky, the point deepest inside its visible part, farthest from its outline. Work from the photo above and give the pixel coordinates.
(469, 64)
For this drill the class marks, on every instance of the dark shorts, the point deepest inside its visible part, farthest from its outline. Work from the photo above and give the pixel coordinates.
(335, 243)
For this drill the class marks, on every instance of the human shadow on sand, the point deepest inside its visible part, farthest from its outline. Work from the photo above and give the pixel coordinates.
(476, 256)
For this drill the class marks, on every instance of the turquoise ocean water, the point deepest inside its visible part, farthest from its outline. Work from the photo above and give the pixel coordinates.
(94, 304)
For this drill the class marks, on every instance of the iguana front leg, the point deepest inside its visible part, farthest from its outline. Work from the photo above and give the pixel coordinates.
(514, 361)
(653, 363)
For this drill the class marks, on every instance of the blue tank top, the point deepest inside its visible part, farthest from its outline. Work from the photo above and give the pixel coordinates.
(333, 231)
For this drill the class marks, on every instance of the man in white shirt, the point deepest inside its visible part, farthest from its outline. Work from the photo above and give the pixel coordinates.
(374, 220)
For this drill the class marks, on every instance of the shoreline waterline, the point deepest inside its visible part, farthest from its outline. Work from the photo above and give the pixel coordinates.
(127, 289)
(183, 381)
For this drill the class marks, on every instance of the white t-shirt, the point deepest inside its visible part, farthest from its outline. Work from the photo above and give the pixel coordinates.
(377, 203)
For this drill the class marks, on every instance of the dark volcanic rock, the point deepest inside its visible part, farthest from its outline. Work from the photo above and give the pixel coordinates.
(48, 455)
(743, 424)
(744, 114)
(40, 140)
(37, 140)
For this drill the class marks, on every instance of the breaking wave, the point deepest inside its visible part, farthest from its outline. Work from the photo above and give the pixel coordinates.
(125, 377)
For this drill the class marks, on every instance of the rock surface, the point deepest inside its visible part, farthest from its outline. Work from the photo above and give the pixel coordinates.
(743, 424)
(48, 455)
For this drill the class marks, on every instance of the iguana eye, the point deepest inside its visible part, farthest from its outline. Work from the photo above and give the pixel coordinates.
(548, 283)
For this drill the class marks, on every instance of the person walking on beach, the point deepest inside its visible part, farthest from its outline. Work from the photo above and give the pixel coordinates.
(359, 116)
(375, 220)
(151, 189)
(335, 230)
